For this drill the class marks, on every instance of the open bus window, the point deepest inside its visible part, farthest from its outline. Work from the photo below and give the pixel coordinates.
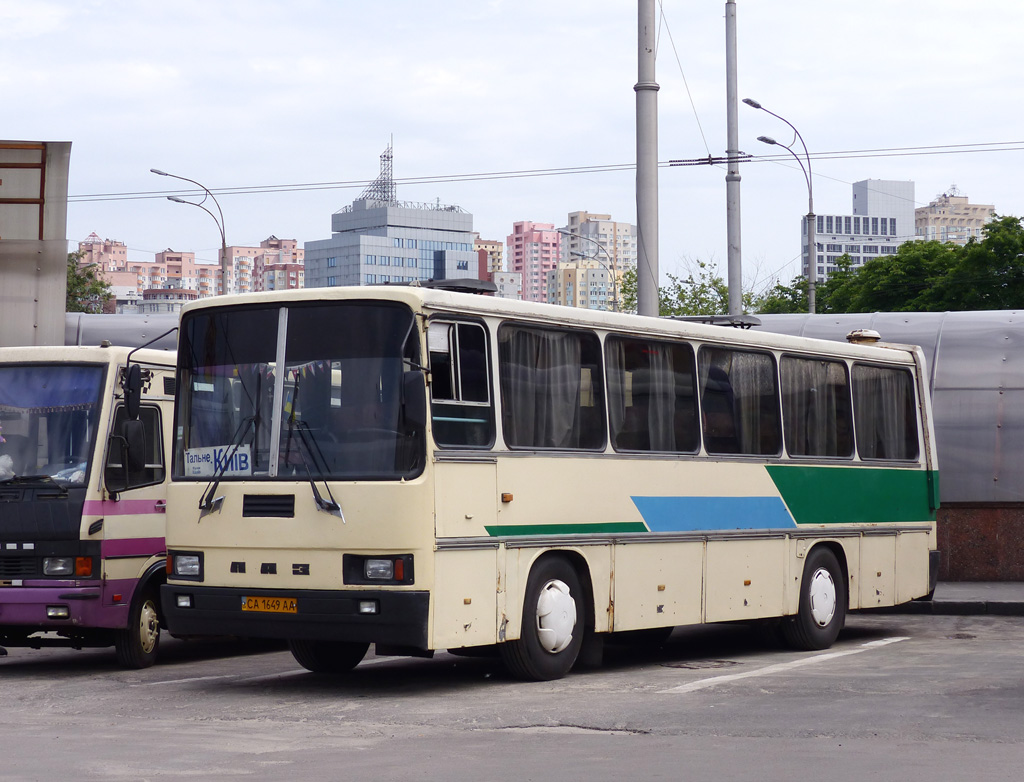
(885, 412)
(551, 388)
(48, 420)
(816, 407)
(739, 402)
(652, 395)
(461, 410)
(117, 476)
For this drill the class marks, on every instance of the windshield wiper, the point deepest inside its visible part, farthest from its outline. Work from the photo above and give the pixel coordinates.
(43, 481)
(207, 502)
(327, 506)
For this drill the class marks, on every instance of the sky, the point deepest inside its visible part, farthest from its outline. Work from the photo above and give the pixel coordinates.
(297, 100)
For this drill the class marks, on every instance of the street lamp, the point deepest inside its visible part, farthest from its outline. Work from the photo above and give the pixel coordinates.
(610, 268)
(812, 248)
(225, 274)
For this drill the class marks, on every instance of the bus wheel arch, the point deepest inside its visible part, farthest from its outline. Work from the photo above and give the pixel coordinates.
(824, 599)
(137, 644)
(557, 610)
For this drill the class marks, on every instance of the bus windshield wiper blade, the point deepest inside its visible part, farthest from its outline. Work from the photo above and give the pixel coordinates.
(327, 506)
(207, 503)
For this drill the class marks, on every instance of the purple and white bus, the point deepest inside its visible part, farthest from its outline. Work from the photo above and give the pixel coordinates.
(84, 438)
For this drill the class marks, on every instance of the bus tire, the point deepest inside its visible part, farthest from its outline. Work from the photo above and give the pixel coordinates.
(327, 656)
(553, 622)
(822, 612)
(136, 645)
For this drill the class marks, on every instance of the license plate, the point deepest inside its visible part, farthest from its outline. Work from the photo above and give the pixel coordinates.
(274, 605)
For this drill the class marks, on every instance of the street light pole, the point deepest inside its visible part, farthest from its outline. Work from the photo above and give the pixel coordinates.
(812, 247)
(610, 268)
(225, 275)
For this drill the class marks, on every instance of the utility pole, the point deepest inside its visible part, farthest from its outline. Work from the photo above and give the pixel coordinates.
(647, 164)
(732, 177)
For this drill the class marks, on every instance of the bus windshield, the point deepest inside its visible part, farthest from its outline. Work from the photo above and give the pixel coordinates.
(48, 419)
(297, 392)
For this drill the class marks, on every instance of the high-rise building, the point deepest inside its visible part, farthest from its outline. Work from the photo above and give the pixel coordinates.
(533, 250)
(597, 236)
(379, 239)
(951, 217)
(882, 219)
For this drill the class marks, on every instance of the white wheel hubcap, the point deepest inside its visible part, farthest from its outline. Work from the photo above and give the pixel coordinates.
(149, 627)
(556, 616)
(822, 594)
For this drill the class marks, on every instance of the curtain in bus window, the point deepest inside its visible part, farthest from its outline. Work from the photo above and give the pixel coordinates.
(816, 407)
(550, 398)
(883, 400)
(651, 404)
(739, 402)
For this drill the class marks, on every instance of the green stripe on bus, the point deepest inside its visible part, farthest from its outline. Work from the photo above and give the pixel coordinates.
(855, 495)
(566, 529)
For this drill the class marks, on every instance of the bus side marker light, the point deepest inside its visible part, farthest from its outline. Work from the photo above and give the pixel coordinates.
(117, 598)
(466, 601)
(746, 582)
(506, 497)
(661, 587)
(368, 607)
(57, 612)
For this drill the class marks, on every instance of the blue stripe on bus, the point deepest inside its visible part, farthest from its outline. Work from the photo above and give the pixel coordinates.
(689, 514)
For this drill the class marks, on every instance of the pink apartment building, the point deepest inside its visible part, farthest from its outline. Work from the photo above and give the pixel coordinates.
(533, 250)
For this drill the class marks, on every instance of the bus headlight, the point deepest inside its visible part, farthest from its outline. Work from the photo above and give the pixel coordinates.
(58, 566)
(187, 566)
(379, 569)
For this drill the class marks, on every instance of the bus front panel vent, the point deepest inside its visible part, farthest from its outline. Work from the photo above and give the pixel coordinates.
(281, 506)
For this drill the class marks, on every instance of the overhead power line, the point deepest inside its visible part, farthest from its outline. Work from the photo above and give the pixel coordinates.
(948, 149)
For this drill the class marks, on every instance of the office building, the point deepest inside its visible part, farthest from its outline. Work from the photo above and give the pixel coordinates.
(379, 239)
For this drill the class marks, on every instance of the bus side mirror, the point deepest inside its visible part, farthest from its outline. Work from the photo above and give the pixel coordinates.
(414, 401)
(126, 460)
(133, 391)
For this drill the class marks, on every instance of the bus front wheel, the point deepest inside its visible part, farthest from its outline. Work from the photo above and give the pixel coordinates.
(136, 645)
(327, 656)
(553, 620)
(822, 611)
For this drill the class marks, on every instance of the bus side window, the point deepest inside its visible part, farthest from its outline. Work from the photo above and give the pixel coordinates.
(885, 412)
(117, 475)
(462, 413)
(816, 407)
(651, 395)
(739, 402)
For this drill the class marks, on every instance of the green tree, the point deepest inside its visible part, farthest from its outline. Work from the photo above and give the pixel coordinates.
(781, 299)
(988, 275)
(701, 292)
(86, 292)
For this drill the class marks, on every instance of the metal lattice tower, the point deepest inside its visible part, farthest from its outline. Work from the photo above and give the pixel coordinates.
(383, 187)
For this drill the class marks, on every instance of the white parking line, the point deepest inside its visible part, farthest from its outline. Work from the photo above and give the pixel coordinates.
(780, 667)
(186, 681)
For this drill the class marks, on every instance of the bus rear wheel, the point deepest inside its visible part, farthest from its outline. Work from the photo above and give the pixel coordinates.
(136, 645)
(552, 631)
(327, 656)
(822, 611)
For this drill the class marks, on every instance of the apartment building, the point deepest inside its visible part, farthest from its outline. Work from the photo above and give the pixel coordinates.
(533, 251)
(951, 217)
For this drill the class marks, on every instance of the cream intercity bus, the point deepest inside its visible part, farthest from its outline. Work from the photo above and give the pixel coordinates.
(426, 469)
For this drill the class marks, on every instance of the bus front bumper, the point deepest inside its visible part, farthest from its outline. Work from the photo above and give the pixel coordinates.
(48, 605)
(370, 616)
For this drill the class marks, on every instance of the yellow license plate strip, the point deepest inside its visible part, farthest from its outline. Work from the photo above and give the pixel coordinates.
(273, 605)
